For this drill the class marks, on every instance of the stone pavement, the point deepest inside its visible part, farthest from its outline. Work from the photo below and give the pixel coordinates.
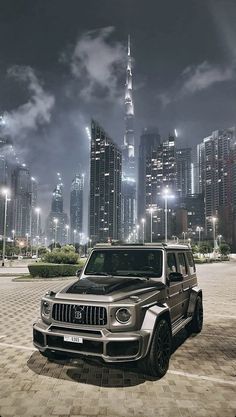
(201, 381)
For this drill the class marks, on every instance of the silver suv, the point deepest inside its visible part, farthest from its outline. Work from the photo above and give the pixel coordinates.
(127, 305)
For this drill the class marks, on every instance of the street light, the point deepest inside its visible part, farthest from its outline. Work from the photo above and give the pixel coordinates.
(56, 223)
(27, 241)
(184, 234)
(6, 193)
(143, 223)
(67, 233)
(74, 235)
(13, 236)
(214, 219)
(37, 210)
(219, 237)
(199, 229)
(166, 195)
(151, 210)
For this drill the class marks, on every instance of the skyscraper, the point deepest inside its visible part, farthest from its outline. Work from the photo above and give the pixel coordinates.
(150, 141)
(76, 204)
(129, 187)
(215, 158)
(57, 219)
(21, 200)
(105, 187)
(160, 173)
(183, 167)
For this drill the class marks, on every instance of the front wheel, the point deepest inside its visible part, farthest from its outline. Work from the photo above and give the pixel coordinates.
(157, 361)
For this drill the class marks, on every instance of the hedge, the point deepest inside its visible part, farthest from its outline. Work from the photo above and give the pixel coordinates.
(53, 270)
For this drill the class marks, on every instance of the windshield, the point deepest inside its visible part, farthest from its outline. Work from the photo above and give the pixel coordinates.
(136, 263)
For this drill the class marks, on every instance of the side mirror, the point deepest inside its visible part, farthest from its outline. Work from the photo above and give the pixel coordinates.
(175, 277)
(78, 272)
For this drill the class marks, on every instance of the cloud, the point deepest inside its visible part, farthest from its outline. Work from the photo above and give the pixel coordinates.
(97, 63)
(36, 111)
(197, 78)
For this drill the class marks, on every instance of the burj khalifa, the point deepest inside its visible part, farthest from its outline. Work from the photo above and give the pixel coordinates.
(129, 186)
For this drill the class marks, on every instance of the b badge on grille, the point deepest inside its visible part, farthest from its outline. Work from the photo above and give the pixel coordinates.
(79, 313)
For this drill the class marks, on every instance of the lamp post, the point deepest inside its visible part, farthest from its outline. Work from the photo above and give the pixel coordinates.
(67, 233)
(143, 223)
(214, 231)
(199, 229)
(37, 211)
(6, 193)
(74, 232)
(137, 228)
(27, 241)
(56, 223)
(184, 234)
(219, 238)
(166, 195)
(151, 210)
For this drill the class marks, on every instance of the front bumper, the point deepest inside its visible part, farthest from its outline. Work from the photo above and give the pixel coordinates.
(111, 347)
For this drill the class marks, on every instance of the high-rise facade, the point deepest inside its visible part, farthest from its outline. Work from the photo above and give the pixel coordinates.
(105, 187)
(76, 204)
(215, 159)
(150, 141)
(57, 219)
(183, 167)
(21, 200)
(129, 183)
(160, 174)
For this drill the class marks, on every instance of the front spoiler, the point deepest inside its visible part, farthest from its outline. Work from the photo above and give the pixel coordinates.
(103, 337)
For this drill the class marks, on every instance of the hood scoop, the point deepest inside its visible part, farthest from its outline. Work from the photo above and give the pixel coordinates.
(107, 285)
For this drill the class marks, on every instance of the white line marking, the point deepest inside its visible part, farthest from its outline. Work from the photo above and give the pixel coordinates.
(17, 347)
(205, 378)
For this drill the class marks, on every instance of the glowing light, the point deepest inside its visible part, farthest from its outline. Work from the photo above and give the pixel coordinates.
(88, 132)
(176, 133)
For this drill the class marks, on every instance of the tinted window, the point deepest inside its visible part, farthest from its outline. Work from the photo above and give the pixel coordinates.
(171, 262)
(191, 263)
(126, 262)
(182, 264)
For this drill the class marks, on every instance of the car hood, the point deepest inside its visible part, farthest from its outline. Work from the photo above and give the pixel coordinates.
(98, 288)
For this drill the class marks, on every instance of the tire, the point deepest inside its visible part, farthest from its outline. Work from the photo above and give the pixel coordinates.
(54, 356)
(197, 321)
(157, 361)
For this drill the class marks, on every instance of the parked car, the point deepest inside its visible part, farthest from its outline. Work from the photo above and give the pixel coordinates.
(127, 305)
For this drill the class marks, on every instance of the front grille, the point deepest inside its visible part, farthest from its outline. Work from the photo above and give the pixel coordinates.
(80, 314)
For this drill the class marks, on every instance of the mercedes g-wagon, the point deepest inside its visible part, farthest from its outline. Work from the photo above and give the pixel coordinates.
(125, 305)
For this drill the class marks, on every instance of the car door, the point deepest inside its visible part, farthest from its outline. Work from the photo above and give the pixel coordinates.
(183, 269)
(175, 290)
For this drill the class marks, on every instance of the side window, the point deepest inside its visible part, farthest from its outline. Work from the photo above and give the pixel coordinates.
(191, 263)
(182, 264)
(171, 262)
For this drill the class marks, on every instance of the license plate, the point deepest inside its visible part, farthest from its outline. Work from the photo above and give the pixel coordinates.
(73, 339)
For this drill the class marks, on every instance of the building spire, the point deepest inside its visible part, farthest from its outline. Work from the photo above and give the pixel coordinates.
(129, 109)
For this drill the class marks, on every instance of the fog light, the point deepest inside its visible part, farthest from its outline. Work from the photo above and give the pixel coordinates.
(123, 315)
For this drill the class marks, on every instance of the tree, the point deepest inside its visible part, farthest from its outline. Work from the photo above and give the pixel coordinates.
(205, 248)
(224, 249)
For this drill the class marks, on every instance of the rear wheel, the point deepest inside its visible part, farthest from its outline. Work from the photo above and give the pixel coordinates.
(197, 321)
(157, 361)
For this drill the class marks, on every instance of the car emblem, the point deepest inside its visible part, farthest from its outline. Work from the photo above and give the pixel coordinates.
(79, 313)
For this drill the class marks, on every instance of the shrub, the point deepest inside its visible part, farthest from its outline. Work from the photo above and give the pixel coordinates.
(224, 249)
(65, 255)
(53, 270)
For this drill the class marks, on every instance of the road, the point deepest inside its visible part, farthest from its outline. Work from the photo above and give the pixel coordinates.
(201, 381)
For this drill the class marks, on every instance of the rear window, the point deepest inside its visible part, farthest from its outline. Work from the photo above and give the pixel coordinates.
(191, 263)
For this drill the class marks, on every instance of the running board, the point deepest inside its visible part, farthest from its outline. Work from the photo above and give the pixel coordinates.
(180, 324)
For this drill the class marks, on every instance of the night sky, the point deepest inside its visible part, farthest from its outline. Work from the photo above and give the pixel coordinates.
(63, 62)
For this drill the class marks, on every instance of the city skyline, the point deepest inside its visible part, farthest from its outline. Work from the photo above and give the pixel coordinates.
(181, 81)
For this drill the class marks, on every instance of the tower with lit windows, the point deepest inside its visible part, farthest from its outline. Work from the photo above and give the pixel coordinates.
(129, 183)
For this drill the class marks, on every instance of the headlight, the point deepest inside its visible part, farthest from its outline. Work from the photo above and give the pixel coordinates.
(123, 315)
(46, 308)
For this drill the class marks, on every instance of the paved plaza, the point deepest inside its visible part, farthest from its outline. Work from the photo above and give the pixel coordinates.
(201, 381)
